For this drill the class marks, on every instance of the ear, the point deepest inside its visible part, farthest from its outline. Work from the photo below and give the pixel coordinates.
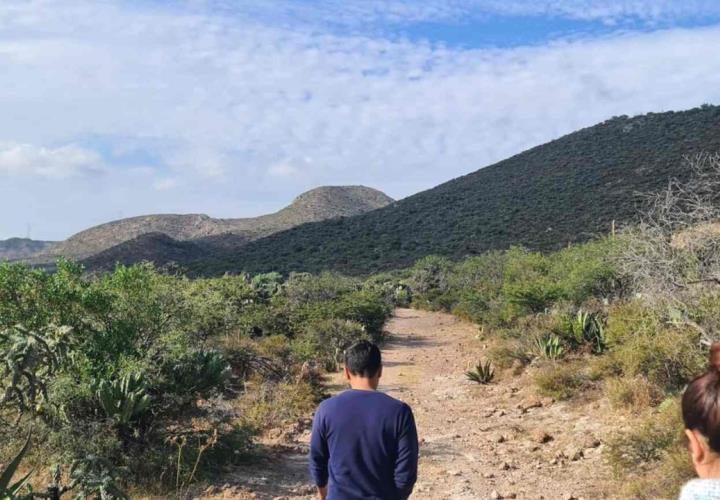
(379, 373)
(698, 447)
(346, 373)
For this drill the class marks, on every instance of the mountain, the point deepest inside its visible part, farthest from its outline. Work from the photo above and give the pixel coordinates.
(568, 190)
(20, 248)
(162, 238)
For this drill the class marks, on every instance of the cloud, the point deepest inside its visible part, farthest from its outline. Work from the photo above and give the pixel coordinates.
(165, 184)
(283, 170)
(54, 163)
(229, 97)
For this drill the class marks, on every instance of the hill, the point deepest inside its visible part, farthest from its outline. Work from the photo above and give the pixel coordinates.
(20, 248)
(565, 191)
(128, 239)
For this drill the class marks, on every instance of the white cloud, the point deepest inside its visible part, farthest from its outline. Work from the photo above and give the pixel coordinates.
(227, 103)
(283, 170)
(55, 163)
(165, 184)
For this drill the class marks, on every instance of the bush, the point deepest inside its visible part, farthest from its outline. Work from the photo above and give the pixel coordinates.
(326, 341)
(277, 404)
(560, 381)
(648, 440)
(668, 358)
(632, 393)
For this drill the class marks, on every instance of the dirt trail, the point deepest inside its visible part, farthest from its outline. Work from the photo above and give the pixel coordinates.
(494, 441)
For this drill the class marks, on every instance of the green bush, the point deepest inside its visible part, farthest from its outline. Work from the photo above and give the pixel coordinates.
(326, 341)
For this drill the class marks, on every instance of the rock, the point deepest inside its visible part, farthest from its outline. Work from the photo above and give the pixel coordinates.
(488, 475)
(529, 404)
(499, 438)
(540, 436)
(502, 413)
(573, 453)
(568, 496)
(506, 466)
(494, 495)
(546, 401)
(591, 441)
(454, 473)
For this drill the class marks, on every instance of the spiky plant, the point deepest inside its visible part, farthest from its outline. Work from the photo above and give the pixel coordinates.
(124, 400)
(10, 491)
(549, 347)
(587, 329)
(482, 374)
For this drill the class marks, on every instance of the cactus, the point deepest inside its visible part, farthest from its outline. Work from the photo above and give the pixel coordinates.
(11, 491)
(28, 361)
(124, 400)
(482, 374)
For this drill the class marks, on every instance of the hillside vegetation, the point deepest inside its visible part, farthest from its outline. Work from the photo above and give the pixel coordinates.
(145, 381)
(566, 191)
(211, 235)
(20, 248)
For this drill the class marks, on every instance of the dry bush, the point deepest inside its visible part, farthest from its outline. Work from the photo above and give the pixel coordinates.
(274, 405)
(561, 381)
(674, 253)
(652, 457)
(635, 393)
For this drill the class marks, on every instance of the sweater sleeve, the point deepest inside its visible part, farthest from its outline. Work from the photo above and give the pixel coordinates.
(406, 464)
(319, 454)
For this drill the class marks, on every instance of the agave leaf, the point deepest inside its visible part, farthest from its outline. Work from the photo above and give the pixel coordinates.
(12, 467)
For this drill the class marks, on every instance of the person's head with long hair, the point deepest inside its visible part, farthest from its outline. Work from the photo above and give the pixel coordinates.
(701, 414)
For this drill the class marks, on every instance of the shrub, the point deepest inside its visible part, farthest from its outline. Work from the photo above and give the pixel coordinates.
(277, 404)
(632, 393)
(326, 341)
(648, 440)
(668, 358)
(508, 352)
(560, 381)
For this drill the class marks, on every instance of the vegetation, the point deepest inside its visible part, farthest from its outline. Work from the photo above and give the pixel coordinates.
(483, 373)
(135, 379)
(567, 191)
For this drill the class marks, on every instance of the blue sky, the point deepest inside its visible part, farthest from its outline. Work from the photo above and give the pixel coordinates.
(232, 108)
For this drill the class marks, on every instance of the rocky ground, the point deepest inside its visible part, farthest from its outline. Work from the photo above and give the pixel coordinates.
(477, 442)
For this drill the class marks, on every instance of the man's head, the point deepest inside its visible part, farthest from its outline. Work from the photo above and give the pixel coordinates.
(363, 365)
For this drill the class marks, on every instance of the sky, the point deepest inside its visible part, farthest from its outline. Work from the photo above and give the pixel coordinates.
(111, 109)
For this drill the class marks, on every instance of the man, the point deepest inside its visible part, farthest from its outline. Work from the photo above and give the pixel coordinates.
(364, 443)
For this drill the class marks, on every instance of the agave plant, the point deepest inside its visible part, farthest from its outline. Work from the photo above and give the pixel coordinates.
(482, 374)
(587, 328)
(549, 347)
(10, 491)
(124, 400)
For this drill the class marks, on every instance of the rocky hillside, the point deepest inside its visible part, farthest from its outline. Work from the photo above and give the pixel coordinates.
(163, 238)
(565, 191)
(20, 248)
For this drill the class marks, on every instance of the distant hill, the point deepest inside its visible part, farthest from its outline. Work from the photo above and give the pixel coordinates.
(162, 238)
(565, 191)
(20, 248)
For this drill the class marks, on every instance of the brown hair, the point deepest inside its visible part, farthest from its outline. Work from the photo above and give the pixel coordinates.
(701, 402)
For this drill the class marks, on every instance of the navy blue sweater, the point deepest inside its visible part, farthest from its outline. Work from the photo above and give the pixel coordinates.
(364, 443)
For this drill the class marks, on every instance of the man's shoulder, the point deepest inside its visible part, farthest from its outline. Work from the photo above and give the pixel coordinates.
(378, 397)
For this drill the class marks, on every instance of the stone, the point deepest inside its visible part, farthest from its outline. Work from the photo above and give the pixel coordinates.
(573, 453)
(540, 436)
(494, 495)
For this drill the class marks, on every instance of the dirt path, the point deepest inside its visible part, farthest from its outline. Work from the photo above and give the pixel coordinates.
(494, 441)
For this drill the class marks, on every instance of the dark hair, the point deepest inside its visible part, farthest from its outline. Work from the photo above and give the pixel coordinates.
(701, 402)
(363, 359)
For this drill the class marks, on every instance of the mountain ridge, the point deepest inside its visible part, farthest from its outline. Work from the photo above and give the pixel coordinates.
(314, 205)
(562, 192)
